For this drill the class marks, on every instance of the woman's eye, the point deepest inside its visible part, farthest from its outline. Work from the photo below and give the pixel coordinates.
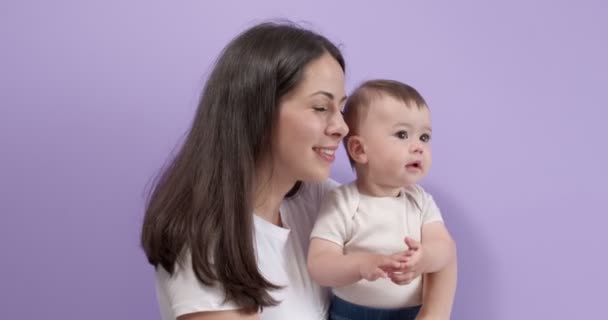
(401, 134)
(319, 108)
(425, 137)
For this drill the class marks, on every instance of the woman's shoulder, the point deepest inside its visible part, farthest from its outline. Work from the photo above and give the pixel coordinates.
(316, 190)
(302, 208)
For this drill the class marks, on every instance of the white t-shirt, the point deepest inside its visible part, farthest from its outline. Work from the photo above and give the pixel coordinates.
(358, 222)
(281, 256)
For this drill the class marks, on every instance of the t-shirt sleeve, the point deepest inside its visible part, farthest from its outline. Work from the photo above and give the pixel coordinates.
(333, 222)
(184, 294)
(430, 210)
(327, 186)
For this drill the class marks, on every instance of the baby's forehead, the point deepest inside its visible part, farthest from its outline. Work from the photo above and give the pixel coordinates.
(388, 115)
(387, 107)
(379, 108)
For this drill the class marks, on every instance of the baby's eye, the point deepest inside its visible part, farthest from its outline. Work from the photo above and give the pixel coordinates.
(401, 134)
(425, 137)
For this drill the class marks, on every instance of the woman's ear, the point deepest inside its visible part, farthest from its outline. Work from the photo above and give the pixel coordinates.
(356, 149)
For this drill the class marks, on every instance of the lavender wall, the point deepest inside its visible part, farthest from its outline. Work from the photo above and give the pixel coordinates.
(94, 96)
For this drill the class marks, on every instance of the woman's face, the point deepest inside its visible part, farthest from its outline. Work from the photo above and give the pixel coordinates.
(310, 124)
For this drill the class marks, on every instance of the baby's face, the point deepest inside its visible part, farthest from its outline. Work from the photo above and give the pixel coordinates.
(397, 141)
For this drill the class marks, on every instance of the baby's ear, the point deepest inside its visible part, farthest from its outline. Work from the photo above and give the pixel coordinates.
(356, 149)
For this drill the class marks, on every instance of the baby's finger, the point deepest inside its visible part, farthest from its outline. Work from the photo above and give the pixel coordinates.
(378, 273)
(403, 278)
(411, 243)
(390, 263)
(412, 263)
(401, 257)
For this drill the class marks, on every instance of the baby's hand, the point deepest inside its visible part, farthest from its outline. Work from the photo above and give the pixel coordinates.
(413, 266)
(377, 266)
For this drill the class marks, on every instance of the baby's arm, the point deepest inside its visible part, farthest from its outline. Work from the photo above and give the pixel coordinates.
(327, 263)
(438, 247)
(330, 267)
(439, 289)
(437, 251)
(432, 254)
(439, 281)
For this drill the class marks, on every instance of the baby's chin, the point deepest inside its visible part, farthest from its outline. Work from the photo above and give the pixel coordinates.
(412, 182)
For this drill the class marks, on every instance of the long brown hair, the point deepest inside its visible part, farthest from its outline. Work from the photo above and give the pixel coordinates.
(201, 203)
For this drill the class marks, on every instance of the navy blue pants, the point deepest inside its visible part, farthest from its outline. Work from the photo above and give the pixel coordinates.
(344, 310)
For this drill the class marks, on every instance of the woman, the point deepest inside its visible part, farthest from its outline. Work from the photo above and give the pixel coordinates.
(228, 222)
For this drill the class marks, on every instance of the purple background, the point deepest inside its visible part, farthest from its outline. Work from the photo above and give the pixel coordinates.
(94, 97)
